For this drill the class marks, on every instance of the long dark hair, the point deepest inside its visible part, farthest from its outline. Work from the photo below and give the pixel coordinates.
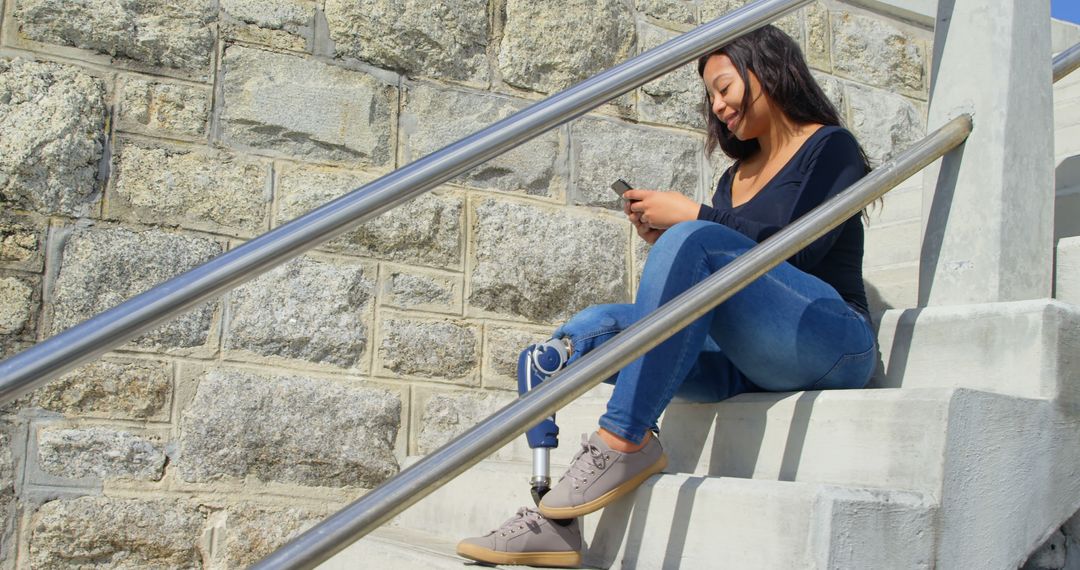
(784, 77)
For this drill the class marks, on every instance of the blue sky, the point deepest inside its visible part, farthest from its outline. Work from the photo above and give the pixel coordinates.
(1065, 10)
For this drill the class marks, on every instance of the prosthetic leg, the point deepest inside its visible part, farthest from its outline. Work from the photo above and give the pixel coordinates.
(535, 364)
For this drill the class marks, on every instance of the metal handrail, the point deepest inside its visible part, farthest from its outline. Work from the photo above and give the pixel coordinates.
(414, 483)
(1066, 62)
(93, 337)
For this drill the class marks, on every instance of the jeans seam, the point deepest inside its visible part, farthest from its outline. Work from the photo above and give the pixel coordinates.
(669, 394)
(590, 335)
(843, 358)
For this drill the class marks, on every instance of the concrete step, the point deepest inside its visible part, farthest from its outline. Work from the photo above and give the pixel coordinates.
(891, 244)
(1025, 348)
(687, 521)
(394, 548)
(867, 438)
(1000, 453)
(892, 287)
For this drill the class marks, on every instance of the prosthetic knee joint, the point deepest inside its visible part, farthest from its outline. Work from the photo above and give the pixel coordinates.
(535, 364)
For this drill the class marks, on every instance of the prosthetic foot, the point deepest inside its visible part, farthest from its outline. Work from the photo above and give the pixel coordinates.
(535, 364)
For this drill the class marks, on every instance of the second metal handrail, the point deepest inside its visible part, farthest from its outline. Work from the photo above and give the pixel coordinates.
(1066, 62)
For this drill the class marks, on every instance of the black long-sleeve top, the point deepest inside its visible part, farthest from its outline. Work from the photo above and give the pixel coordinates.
(827, 163)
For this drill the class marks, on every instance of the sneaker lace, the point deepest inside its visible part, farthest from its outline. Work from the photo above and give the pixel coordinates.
(525, 517)
(588, 459)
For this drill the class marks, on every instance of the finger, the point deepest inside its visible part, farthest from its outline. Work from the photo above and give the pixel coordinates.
(635, 194)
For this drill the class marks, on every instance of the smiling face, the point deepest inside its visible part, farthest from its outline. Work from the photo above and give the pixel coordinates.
(727, 92)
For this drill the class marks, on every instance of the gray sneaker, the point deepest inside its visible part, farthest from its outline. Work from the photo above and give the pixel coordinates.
(599, 475)
(528, 538)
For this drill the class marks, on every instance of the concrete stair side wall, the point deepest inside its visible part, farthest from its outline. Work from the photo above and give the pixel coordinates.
(1012, 478)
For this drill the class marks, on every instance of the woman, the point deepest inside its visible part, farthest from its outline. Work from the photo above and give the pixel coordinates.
(802, 326)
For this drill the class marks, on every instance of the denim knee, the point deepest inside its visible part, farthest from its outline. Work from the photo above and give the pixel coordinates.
(696, 232)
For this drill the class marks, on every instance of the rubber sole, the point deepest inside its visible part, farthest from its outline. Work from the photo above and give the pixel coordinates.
(486, 555)
(629, 486)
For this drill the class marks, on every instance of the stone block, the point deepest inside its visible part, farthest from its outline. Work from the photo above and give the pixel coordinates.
(408, 288)
(10, 347)
(7, 466)
(306, 108)
(288, 429)
(22, 241)
(604, 151)
(100, 453)
(102, 267)
(254, 531)
(670, 11)
(7, 494)
(129, 534)
(438, 349)
(817, 37)
(432, 118)
(502, 345)
(885, 124)
(308, 309)
(834, 90)
(438, 39)
(515, 272)
(176, 35)
(678, 97)
(876, 52)
(196, 188)
(52, 126)
(446, 415)
(116, 389)
(426, 230)
(790, 24)
(19, 303)
(593, 35)
(162, 108)
(280, 24)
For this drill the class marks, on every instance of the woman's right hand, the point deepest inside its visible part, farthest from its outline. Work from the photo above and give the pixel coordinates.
(644, 231)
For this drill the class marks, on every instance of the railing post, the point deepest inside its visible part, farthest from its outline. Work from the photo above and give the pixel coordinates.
(988, 205)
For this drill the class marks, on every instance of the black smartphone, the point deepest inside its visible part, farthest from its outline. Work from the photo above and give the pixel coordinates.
(620, 186)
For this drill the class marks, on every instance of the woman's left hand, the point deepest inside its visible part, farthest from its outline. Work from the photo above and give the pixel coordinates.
(661, 210)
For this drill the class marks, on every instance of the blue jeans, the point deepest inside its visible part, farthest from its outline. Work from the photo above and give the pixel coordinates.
(786, 331)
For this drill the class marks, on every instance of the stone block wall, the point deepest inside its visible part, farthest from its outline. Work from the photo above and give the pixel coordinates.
(138, 140)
